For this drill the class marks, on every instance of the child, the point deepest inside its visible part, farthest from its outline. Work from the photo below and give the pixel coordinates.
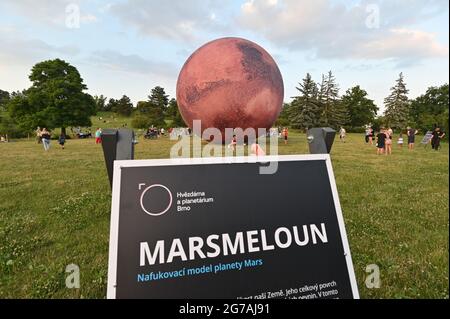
(400, 140)
(62, 140)
(98, 136)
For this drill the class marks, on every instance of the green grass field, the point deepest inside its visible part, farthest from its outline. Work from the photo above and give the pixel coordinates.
(55, 207)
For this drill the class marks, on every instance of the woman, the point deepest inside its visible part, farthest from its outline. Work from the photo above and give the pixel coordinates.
(381, 141)
(45, 136)
(388, 142)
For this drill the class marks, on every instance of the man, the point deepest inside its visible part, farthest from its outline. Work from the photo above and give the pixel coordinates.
(411, 137)
(285, 134)
(438, 135)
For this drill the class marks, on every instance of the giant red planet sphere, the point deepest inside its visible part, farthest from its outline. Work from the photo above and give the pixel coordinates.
(230, 83)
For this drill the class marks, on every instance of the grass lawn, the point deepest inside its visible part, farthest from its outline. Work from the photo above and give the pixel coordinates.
(55, 207)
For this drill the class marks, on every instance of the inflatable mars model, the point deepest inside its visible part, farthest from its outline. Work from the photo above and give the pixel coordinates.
(230, 83)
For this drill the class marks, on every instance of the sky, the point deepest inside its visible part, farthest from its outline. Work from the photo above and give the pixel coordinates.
(130, 46)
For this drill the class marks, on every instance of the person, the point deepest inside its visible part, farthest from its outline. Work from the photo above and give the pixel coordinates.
(38, 135)
(2, 138)
(285, 133)
(233, 143)
(438, 135)
(367, 136)
(342, 133)
(62, 140)
(388, 141)
(45, 136)
(163, 132)
(411, 137)
(381, 139)
(400, 140)
(98, 136)
(257, 150)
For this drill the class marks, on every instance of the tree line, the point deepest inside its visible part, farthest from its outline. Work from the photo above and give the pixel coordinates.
(319, 104)
(57, 98)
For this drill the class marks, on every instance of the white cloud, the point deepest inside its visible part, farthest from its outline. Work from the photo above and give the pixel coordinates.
(176, 19)
(20, 49)
(332, 30)
(131, 63)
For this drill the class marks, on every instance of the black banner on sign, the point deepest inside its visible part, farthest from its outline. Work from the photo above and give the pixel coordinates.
(218, 228)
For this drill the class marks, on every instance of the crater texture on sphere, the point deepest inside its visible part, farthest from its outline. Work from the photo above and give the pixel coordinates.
(230, 83)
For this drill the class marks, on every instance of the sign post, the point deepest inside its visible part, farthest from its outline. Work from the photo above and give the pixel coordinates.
(217, 228)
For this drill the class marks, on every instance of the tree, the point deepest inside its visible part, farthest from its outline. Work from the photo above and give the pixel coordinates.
(283, 118)
(430, 108)
(4, 99)
(55, 99)
(361, 110)
(123, 106)
(147, 115)
(333, 112)
(159, 98)
(397, 106)
(173, 113)
(111, 105)
(100, 103)
(305, 110)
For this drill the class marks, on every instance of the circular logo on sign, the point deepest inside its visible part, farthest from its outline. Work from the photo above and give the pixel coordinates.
(159, 211)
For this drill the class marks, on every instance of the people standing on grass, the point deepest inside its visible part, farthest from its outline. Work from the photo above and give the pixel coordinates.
(98, 136)
(62, 140)
(438, 135)
(411, 137)
(342, 134)
(45, 136)
(381, 141)
(388, 142)
(285, 134)
(400, 140)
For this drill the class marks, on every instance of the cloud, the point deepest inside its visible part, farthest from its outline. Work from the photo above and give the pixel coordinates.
(17, 48)
(132, 63)
(368, 30)
(176, 19)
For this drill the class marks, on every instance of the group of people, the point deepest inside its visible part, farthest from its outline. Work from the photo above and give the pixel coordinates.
(385, 137)
(44, 136)
(384, 141)
(153, 132)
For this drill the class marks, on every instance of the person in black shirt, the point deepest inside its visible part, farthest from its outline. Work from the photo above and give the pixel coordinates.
(381, 142)
(436, 139)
